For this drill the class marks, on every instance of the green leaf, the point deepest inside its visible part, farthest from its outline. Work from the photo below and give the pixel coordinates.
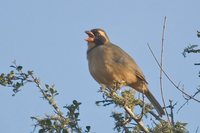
(30, 72)
(13, 66)
(198, 34)
(47, 86)
(2, 75)
(76, 103)
(65, 131)
(17, 85)
(52, 91)
(41, 131)
(88, 129)
(19, 68)
(48, 122)
(76, 115)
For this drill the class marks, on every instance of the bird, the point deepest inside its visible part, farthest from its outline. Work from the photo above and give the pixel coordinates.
(109, 64)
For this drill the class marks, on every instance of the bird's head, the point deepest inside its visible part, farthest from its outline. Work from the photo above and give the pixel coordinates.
(97, 37)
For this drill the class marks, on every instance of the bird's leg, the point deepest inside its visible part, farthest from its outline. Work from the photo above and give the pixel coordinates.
(124, 103)
(118, 84)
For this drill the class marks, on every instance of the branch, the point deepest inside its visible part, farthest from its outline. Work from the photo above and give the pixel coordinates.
(48, 98)
(190, 49)
(187, 99)
(161, 66)
(50, 123)
(128, 108)
(135, 118)
(171, 106)
(176, 86)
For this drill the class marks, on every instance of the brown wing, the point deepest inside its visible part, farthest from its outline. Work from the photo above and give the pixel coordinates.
(122, 58)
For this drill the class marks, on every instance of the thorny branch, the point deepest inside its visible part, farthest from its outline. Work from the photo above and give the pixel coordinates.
(48, 98)
(122, 102)
(57, 122)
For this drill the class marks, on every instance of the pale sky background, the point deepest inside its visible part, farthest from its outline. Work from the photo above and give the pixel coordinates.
(47, 36)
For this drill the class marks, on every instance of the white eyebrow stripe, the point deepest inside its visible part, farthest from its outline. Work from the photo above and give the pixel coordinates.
(104, 35)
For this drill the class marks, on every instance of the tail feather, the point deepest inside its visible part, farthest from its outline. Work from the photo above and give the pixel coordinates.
(155, 103)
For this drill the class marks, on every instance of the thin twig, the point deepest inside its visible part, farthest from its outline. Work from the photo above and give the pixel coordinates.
(187, 100)
(189, 96)
(50, 100)
(161, 65)
(172, 112)
(197, 130)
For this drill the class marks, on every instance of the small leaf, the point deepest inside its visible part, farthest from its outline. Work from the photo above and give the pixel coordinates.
(88, 128)
(76, 115)
(2, 75)
(11, 72)
(47, 86)
(198, 34)
(76, 103)
(30, 72)
(19, 68)
(51, 90)
(65, 131)
(13, 66)
(33, 118)
(11, 75)
(48, 122)
(17, 85)
(41, 131)
(56, 94)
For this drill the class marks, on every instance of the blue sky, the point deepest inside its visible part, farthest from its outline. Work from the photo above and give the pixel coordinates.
(47, 36)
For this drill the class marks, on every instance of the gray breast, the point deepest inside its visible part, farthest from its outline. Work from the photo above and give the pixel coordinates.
(99, 65)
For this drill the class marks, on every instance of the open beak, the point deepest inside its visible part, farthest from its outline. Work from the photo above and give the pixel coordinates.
(90, 38)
